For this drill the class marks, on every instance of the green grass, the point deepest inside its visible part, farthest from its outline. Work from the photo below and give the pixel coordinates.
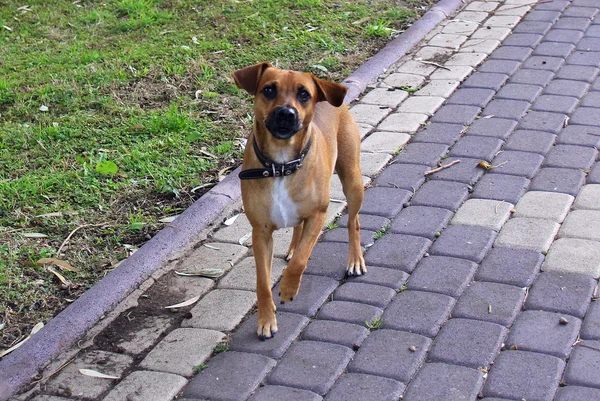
(111, 113)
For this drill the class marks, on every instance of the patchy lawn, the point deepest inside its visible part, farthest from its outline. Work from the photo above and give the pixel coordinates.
(115, 115)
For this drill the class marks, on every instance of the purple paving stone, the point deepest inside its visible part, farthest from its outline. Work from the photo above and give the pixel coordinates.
(349, 312)
(569, 156)
(441, 274)
(507, 67)
(464, 242)
(369, 294)
(397, 251)
(594, 175)
(421, 221)
(567, 87)
(516, 267)
(444, 194)
(360, 387)
(561, 292)
(440, 133)
(477, 147)
(384, 201)
(314, 290)
(578, 72)
(405, 176)
(578, 24)
(346, 334)
(491, 302)
(427, 154)
(518, 375)
(502, 187)
(289, 327)
(486, 80)
(386, 353)
(591, 324)
(586, 116)
(543, 121)
(328, 259)
(579, 57)
(506, 108)
(519, 92)
(456, 114)
(517, 163)
(583, 12)
(341, 235)
(557, 5)
(592, 99)
(543, 332)
(531, 141)
(544, 63)
(565, 180)
(522, 40)
(555, 104)
(467, 171)
(580, 135)
(573, 393)
(229, 376)
(554, 49)
(537, 27)
(311, 365)
(516, 53)
(593, 31)
(542, 15)
(584, 365)
(564, 36)
(418, 312)
(588, 44)
(367, 222)
(391, 278)
(471, 96)
(532, 77)
(469, 343)
(270, 393)
(497, 127)
(438, 381)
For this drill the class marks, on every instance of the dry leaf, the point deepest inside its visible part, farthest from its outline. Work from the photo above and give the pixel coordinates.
(245, 238)
(34, 235)
(34, 330)
(95, 373)
(231, 220)
(223, 172)
(210, 272)
(60, 276)
(209, 246)
(183, 304)
(169, 219)
(54, 214)
(60, 263)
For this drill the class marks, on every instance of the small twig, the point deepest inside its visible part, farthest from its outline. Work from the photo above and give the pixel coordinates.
(73, 232)
(592, 133)
(581, 344)
(445, 166)
(436, 64)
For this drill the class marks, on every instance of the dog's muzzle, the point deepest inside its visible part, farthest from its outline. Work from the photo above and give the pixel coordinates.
(283, 122)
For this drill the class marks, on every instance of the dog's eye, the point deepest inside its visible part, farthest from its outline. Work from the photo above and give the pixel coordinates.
(303, 95)
(269, 92)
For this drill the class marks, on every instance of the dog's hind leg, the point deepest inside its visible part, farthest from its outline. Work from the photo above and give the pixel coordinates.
(295, 241)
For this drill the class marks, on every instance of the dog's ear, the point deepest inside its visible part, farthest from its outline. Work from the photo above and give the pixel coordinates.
(247, 78)
(330, 91)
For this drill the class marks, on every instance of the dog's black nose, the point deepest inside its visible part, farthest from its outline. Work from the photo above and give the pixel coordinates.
(283, 122)
(287, 115)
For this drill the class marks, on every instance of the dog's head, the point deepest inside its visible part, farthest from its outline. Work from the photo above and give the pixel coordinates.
(285, 100)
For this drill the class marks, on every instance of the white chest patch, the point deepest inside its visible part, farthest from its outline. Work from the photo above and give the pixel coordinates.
(284, 212)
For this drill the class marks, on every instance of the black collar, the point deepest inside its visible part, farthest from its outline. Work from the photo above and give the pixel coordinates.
(273, 169)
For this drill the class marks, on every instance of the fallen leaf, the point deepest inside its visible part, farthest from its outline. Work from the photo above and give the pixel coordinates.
(183, 304)
(53, 214)
(2, 325)
(59, 276)
(168, 219)
(223, 172)
(209, 272)
(95, 373)
(34, 235)
(231, 220)
(245, 238)
(43, 108)
(58, 262)
(212, 247)
(34, 330)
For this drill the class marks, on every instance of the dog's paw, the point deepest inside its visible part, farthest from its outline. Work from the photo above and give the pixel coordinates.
(267, 328)
(356, 267)
(288, 288)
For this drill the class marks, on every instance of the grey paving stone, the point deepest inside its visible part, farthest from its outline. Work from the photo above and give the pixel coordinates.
(456, 114)
(328, 259)
(484, 213)
(569, 156)
(554, 49)
(465, 242)
(367, 222)
(346, 334)
(369, 113)
(591, 324)
(147, 331)
(537, 27)
(506, 108)
(437, 381)
(311, 365)
(405, 176)
(523, 39)
(516, 91)
(591, 99)
(567, 87)
(148, 386)
(467, 171)
(544, 205)
(386, 353)
(553, 179)
(542, 15)
(543, 63)
(391, 278)
(579, 57)
(517, 53)
(582, 369)
(341, 235)
(588, 198)
(390, 97)
(470, 343)
(574, 393)
(48, 398)
(443, 133)
(221, 310)
(531, 141)
(564, 36)
(243, 275)
(369, 294)
(477, 147)
(486, 80)
(270, 393)
(528, 233)
(555, 103)
(418, 312)
(578, 24)
(584, 12)
(442, 274)
(372, 163)
(447, 195)
(289, 326)
(349, 312)
(581, 135)
(360, 387)
(508, 188)
(516, 267)
(524, 164)
(427, 154)
(421, 221)
(384, 201)
(540, 331)
(490, 302)
(314, 290)
(573, 255)
(568, 293)
(397, 251)
(586, 116)
(531, 77)
(496, 127)
(578, 72)
(472, 96)
(507, 67)
(581, 224)
(219, 258)
(543, 121)
(520, 375)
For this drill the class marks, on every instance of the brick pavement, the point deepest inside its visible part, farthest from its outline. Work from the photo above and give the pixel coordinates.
(482, 279)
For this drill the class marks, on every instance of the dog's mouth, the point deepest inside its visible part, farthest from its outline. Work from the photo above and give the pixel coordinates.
(283, 122)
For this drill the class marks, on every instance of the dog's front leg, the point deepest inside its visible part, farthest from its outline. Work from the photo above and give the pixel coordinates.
(262, 246)
(292, 275)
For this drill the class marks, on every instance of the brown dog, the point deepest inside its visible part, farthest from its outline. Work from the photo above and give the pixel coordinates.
(302, 132)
